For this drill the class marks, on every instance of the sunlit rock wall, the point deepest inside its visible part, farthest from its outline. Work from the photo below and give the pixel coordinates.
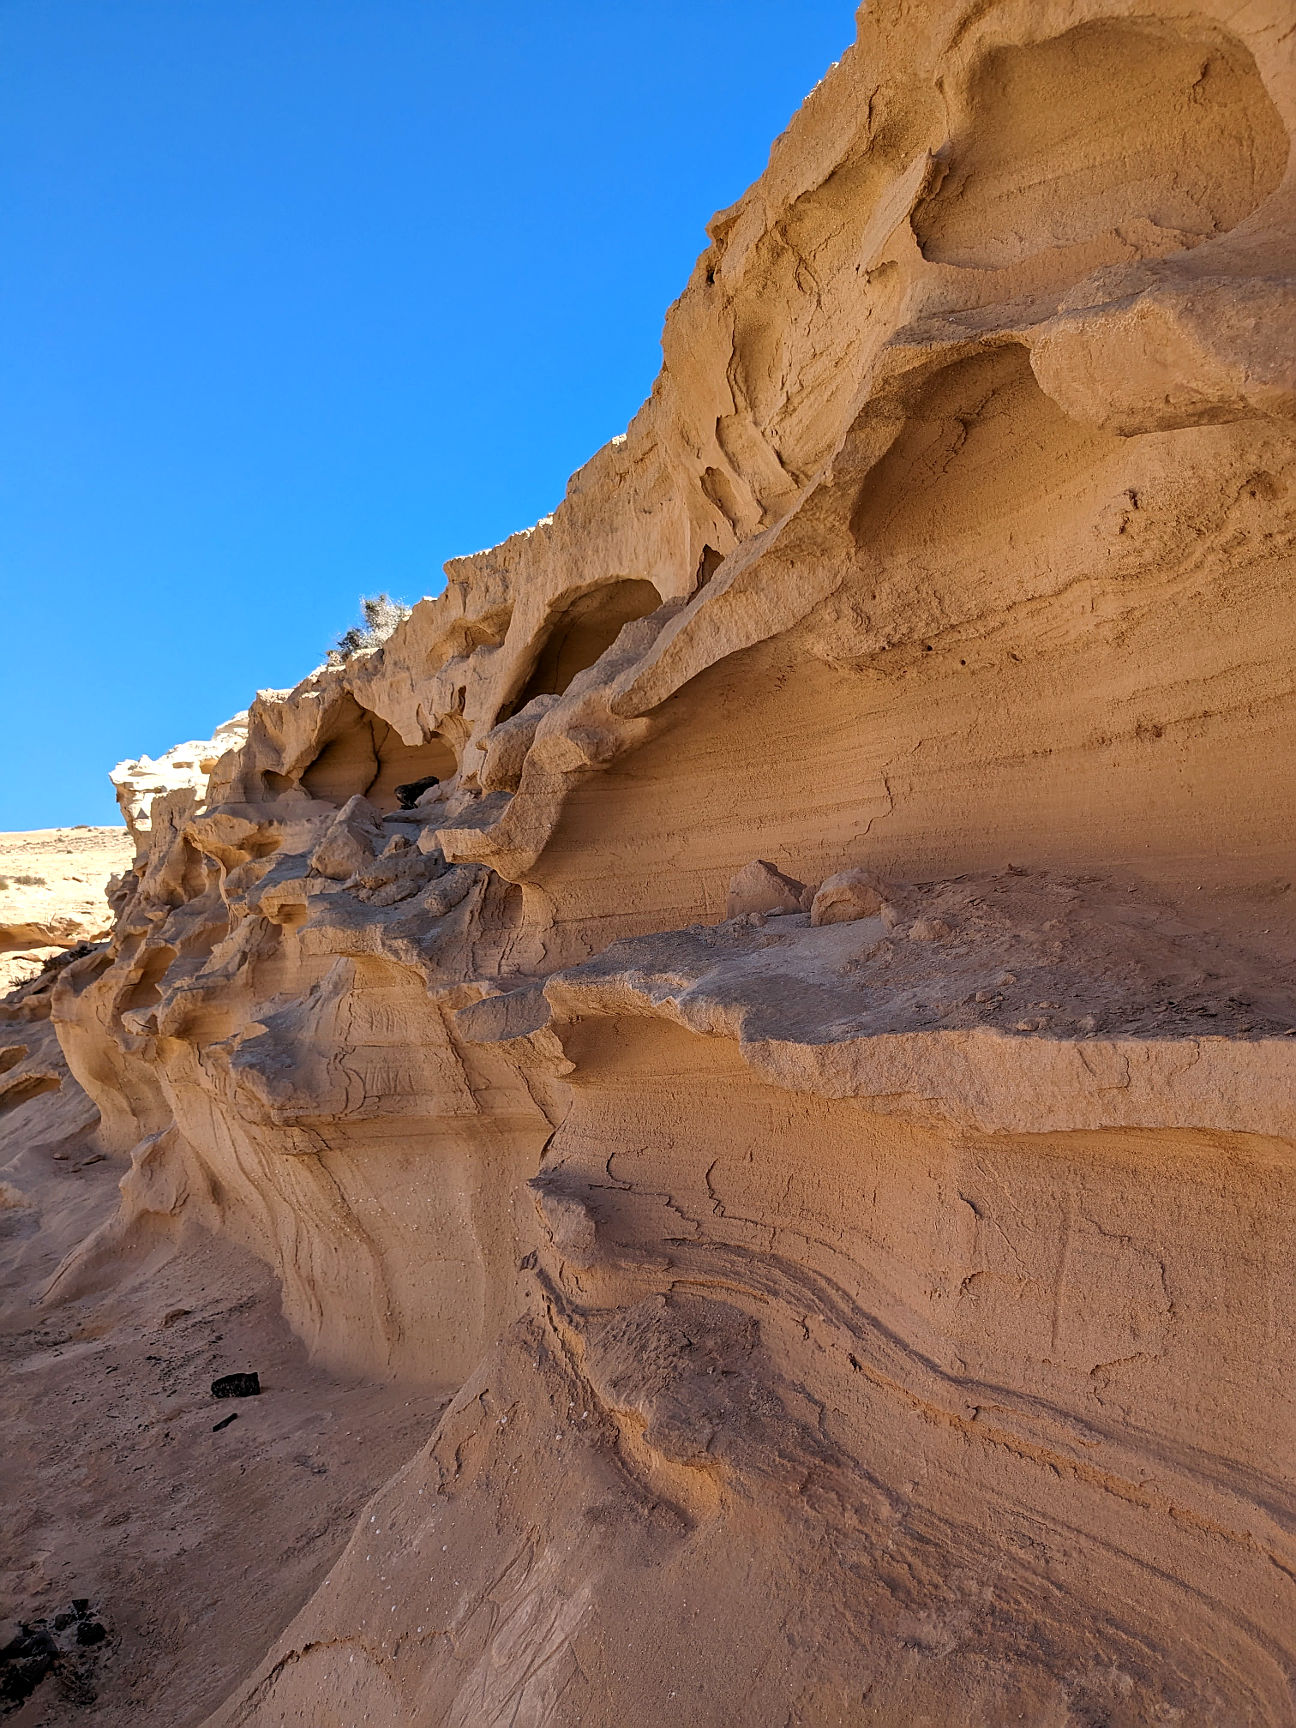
(873, 1321)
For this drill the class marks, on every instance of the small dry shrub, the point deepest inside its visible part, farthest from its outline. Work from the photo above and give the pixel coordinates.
(381, 616)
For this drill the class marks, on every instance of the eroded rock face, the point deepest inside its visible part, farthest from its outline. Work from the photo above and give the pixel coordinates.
(184, 767)
(56, 886)
(874, 1305)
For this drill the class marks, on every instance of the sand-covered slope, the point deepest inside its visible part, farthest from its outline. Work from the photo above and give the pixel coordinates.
(187, 1539)
(810, 1076)
(54, 888)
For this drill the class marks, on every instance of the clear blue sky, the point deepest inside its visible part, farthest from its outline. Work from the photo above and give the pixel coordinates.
(300, 298)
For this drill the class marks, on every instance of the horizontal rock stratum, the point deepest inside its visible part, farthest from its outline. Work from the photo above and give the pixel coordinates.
(54, 888)
(881, 1315)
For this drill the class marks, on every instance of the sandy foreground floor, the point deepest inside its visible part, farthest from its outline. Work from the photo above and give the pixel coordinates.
(191, 1548)
(52, 892)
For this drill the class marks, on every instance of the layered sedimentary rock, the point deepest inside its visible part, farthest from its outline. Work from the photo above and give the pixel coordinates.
(135, 1511)
(139, 780)
(55, 885)
(812, 1074)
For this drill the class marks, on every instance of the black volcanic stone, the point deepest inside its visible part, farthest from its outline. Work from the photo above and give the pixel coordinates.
(236, 1386)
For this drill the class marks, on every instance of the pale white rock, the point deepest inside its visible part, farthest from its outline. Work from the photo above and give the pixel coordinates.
(140, 780)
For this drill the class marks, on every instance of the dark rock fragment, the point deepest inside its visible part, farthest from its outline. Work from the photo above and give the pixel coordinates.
(236, 1386)
(57, 1648)
(24, 1663)
(408, 795)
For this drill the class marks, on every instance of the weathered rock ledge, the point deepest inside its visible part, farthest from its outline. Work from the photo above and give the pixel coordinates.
(868, 1303)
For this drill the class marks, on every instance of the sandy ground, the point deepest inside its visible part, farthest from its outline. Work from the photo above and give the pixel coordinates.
(53, 885)
(192, 1548)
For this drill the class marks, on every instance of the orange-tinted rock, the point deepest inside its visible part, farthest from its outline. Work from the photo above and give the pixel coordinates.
(881, 1316)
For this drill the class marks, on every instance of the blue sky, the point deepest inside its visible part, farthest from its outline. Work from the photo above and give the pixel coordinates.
(300, 298)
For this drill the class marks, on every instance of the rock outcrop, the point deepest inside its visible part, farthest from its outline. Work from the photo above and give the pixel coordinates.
(185, 767)
(813, 1079)
(55, 887)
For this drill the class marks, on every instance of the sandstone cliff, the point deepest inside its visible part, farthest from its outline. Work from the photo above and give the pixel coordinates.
(862, 1305)
(54, 894)
(138, 781)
